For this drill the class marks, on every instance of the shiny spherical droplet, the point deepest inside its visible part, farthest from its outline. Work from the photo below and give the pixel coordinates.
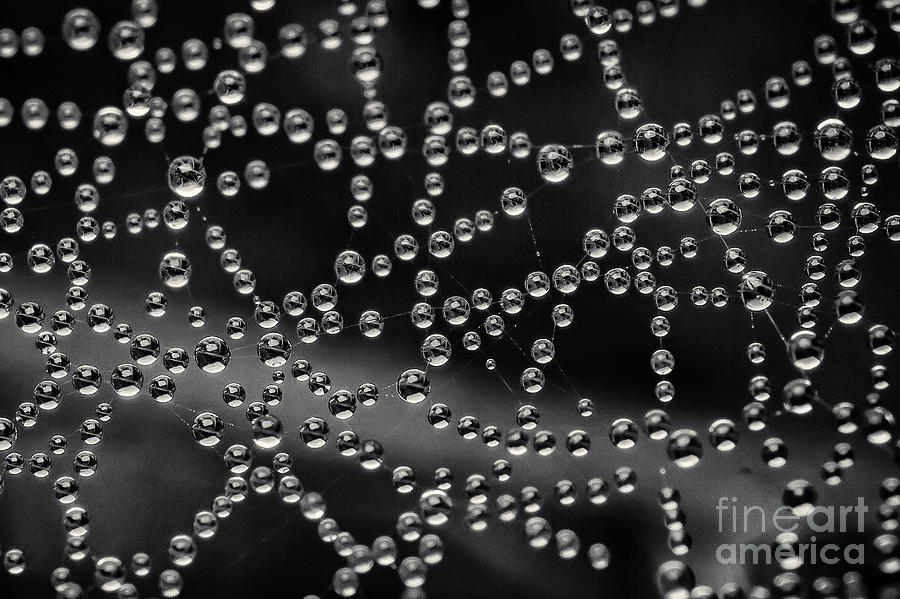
(650, 142)
(187, 176)
(110, 126)
(127, 380)
(723, 216)
(182, 550)
(675, 580)
(684, 448)
(212, 354)
(413, 385)
(435, 506)
(756, 290)
(267, 431)
(554, 163)
(273, 349)
(349, 267)
(81, 29)
(208, 429)
(833, 139)
(799, 396)
(175, 270)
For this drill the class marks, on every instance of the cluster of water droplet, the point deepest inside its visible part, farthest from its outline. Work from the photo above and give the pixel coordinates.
(488, 312)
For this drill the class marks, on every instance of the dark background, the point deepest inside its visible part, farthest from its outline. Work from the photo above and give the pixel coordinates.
(153, 477)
